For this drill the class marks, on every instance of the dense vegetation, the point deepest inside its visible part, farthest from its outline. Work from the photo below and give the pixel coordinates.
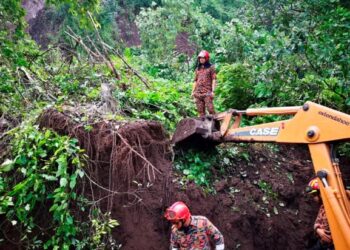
(267, 53)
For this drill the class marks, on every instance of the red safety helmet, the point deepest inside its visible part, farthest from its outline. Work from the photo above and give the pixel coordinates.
(204, 54)
(312, 186)
(177, 211)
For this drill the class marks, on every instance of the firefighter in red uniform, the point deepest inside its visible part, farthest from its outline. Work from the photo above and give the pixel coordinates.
(189, 232)
(204, 84)
(321, 226)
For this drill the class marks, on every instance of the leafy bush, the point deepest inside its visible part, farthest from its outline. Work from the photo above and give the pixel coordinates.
(165, 101)
(196, 166)
(204, 167)
(44, 172)
(158, 28)
(235, 88)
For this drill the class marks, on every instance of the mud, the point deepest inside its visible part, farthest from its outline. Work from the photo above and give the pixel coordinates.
(257, 204)
(183, 44)
(249, 218)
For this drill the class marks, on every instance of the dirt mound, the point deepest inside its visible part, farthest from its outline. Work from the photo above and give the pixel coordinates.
(259, 205)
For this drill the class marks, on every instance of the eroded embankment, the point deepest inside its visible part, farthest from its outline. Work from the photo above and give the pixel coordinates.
(259, 205)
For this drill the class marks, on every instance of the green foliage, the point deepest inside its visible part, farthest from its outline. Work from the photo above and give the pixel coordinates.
(158, 29)
(136, 5)
(28, 75)
(79, 9)
(39, 160)
(267, 189)
(106, 19)
(165, 101)
(268, 53)
(101, 14)
(196, 166)
(297, 52)
(103, 226)
(50, 78)
(16, 53)
(206, 30)
(45, 170)
(235, 41)
(12, 18)
(203, 167)
(223, 10)
(235, 87)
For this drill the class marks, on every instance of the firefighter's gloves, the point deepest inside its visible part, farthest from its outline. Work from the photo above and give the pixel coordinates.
(324, 236)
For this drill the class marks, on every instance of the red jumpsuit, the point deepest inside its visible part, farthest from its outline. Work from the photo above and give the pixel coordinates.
(197, 237)
(322, 222)
(202, 93)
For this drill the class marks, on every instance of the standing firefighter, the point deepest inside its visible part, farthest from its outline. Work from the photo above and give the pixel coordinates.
(189, 232)
(204, 84)
(321, 226)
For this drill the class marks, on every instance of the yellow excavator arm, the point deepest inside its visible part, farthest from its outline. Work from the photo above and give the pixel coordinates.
(311, 124)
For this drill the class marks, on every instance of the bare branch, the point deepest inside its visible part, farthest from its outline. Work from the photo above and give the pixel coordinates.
(137, 153)
(135, 72)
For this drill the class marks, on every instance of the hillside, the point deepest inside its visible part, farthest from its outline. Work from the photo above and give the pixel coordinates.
(91, 93)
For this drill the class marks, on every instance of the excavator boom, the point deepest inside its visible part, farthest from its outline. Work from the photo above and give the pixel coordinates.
(311, 124)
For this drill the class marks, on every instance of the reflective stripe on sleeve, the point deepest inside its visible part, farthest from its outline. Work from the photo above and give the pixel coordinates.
(220, 247)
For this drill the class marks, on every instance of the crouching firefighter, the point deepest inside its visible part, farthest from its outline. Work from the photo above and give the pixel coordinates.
(189, 232)
(321, 226)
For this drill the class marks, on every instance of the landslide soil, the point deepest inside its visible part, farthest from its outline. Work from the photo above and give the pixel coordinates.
(258, 204)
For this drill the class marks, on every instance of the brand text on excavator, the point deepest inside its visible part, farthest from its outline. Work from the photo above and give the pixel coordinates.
(264, 131)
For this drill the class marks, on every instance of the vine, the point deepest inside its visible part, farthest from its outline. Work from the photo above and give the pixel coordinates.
(43, 172)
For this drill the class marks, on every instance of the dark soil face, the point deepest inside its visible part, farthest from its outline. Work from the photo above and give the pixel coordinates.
(260, 204)
(44, 27)
(32, 8)
(184, 45)
(252, 217)
(128, 31)
(132, 161)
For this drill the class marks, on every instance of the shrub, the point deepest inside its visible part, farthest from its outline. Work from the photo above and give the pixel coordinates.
(235, 89)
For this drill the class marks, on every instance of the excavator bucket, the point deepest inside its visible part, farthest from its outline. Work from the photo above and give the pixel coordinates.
(194, 132)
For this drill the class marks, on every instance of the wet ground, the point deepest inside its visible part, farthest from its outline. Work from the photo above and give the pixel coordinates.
(258, 204)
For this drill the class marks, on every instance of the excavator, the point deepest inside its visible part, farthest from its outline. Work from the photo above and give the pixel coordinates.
(315, 125)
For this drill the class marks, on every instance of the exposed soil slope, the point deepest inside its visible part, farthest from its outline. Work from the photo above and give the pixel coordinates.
(130, 169)
(260, 205)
